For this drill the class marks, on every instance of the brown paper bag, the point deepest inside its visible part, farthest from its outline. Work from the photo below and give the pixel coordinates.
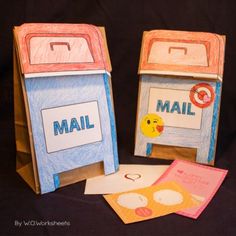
(26, 162)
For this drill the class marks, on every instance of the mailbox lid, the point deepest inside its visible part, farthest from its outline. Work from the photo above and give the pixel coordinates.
(181, 53)
(45, 48)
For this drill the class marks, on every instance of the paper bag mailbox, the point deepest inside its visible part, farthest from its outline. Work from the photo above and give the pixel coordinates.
(179, 95)
(64, 115)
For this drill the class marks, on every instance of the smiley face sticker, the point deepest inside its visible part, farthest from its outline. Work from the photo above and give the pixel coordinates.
(152, 125)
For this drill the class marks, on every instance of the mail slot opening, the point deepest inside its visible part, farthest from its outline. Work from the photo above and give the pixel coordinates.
(173, 152)
(178, 53)
(81, 173)
(50, 50)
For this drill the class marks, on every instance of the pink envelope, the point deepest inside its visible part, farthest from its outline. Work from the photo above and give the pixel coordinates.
(200, 180)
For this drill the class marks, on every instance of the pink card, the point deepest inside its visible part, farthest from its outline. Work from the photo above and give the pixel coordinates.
(200, 180)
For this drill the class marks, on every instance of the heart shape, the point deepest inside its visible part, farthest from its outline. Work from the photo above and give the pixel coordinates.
(180, 171)
(206, 98)
(132, 177)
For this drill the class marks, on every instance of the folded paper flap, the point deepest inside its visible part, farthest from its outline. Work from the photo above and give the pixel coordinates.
(61, 47)
(26, 172)
(195, 54)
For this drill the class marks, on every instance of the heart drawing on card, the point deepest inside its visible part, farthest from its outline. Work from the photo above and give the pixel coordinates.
(180, 171)
(132, 176)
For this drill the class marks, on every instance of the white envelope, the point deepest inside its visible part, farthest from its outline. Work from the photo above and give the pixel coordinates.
(128, 177)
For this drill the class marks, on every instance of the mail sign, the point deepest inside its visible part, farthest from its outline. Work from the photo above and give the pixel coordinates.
(175, 108)
(71, 126)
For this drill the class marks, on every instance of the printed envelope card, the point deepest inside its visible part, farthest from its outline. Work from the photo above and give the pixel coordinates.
(201, 181)
(128, 177)
(151, 202)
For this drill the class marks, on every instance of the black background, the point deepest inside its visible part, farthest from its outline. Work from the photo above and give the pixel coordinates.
(124, 22)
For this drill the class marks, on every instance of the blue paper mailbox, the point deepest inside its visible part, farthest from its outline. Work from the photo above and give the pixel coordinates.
(64, 115)
(180, 85)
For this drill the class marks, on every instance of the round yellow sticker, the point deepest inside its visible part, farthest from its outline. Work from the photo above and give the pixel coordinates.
(152, 125)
